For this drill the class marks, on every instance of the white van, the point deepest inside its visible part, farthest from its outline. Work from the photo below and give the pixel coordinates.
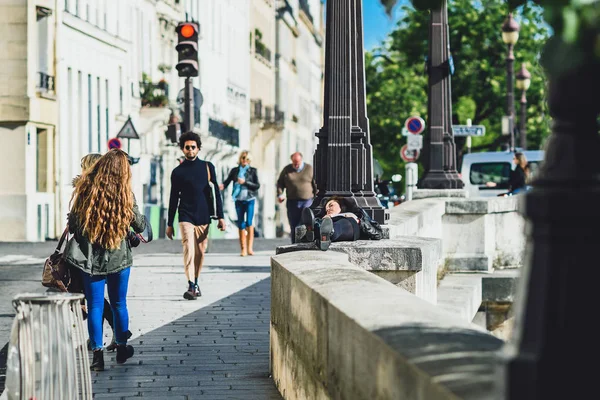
(479, 168)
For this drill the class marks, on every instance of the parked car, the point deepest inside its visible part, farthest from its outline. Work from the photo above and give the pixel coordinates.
(480, 168)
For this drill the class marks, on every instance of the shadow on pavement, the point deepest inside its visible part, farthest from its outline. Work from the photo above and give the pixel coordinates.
(219, 351)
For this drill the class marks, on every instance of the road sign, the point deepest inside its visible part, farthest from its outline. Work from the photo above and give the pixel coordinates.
(414, 142)
(114, 143)
(128, 131)
(408, 155)
(466, 130)
(415, 125)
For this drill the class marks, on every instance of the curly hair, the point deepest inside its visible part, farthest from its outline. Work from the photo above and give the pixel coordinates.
(86, 163)
(188, 136)
(103, 200)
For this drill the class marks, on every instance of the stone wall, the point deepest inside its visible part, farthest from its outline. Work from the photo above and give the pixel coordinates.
(340, 332)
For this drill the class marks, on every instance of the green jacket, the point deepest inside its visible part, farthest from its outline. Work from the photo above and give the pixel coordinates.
(95, 260)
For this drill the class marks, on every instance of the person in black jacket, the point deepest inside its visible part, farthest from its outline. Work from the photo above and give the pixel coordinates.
(518, 178)
(244, 193)
(190, 193)
(337, 222)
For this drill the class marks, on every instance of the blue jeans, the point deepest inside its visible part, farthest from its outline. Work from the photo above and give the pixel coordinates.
(294, 214)
(245, 212)
(93, 287)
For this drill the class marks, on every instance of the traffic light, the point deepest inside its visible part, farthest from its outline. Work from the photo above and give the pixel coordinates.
(187, 49)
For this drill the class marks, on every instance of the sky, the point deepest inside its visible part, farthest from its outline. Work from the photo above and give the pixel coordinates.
(376, 22)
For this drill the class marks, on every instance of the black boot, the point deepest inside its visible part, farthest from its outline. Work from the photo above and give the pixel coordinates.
(97, 361)
(113, 343)
(324, 231)
(308, 220)
(124, 352)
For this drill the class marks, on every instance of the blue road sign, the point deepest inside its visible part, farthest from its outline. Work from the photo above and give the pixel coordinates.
(415, 125)
(114, 143)
(465, 130)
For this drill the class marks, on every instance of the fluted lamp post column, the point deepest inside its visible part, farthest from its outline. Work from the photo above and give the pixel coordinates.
(510, 35)
(523, 81)
(440, 168)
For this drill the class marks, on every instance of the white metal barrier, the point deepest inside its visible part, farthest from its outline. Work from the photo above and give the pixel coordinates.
(47, 354)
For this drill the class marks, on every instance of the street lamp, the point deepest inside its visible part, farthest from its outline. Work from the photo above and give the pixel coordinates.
(523, 81)
(510, 35)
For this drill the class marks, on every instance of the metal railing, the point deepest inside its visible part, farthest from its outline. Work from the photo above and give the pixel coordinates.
(262, 50)
(47, 352)
(45, 82)
(306, 8)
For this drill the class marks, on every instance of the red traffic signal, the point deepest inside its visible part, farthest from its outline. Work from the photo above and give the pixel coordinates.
(187, 49)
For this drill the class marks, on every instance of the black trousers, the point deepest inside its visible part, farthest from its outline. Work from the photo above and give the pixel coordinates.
(345, 230)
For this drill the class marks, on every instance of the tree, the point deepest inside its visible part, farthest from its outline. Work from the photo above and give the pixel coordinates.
(397, 80)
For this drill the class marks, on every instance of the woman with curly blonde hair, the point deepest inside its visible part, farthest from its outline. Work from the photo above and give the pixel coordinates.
(103, 210)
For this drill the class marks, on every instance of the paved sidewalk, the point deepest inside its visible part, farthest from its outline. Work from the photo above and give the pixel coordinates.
(216, 347)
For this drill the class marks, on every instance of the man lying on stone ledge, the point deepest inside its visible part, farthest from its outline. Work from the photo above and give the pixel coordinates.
(337, 225)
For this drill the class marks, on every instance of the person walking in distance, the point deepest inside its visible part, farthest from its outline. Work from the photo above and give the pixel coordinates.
(190, 194)
(103, 210)
(244, 194)
(296, 179)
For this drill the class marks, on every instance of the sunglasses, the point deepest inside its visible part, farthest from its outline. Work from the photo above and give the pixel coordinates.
(190, 147)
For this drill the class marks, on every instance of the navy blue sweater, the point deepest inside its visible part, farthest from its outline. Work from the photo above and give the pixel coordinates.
(189, 189)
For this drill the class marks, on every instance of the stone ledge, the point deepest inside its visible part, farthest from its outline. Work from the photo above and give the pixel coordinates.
(445, 193)
(491, 205)
(389, 344)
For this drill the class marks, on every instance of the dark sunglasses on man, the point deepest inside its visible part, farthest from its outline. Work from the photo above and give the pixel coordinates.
(190, 147)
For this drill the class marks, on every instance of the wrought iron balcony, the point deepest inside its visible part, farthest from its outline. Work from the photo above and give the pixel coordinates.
(262, 50)
(306, 8)
(224, 132)
(45, 82)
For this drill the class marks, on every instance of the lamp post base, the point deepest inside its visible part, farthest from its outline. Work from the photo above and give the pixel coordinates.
(440, 180)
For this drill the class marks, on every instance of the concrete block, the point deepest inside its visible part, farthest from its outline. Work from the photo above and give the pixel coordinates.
(500, 287)
(468, 263)
(445, 193)
(409, 262)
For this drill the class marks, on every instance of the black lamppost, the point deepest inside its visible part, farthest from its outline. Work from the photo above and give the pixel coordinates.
(523, 82)
(510, 35)
(440, 170)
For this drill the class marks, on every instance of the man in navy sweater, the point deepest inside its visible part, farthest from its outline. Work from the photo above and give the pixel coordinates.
(190, 195)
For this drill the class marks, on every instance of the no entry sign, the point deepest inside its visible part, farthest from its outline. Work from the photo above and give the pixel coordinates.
(415, 125)
(114, 143)
(408, 155)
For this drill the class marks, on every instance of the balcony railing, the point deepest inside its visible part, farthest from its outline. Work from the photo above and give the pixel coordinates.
(256, 109)
(306, 8)
(224, 132)
(262, 50)
(45, 82)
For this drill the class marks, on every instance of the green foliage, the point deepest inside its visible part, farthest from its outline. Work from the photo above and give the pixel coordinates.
(576, 24)
(397, 81)
(153, 94)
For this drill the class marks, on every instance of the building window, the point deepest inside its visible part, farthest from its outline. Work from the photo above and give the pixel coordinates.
(77, 7)
(98, 113)
(41, 170)
(89, 113)
(67, 5)
(120, 90)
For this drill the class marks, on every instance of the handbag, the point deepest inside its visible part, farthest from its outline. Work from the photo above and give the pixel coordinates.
(210, 196)
(56, 272)
(369, 228)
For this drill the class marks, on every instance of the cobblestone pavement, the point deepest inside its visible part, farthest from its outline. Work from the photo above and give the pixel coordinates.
(215, 347)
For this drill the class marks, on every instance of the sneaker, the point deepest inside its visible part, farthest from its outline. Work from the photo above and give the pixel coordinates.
(325, 231)
(190, 294)
(197, 291)
(308, 220)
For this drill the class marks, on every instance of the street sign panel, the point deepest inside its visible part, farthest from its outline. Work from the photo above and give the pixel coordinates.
(114, 143)
(128, 131)
(466, 130)
(405, 132)
(414, 142)
(415, 125)
(408, 155)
